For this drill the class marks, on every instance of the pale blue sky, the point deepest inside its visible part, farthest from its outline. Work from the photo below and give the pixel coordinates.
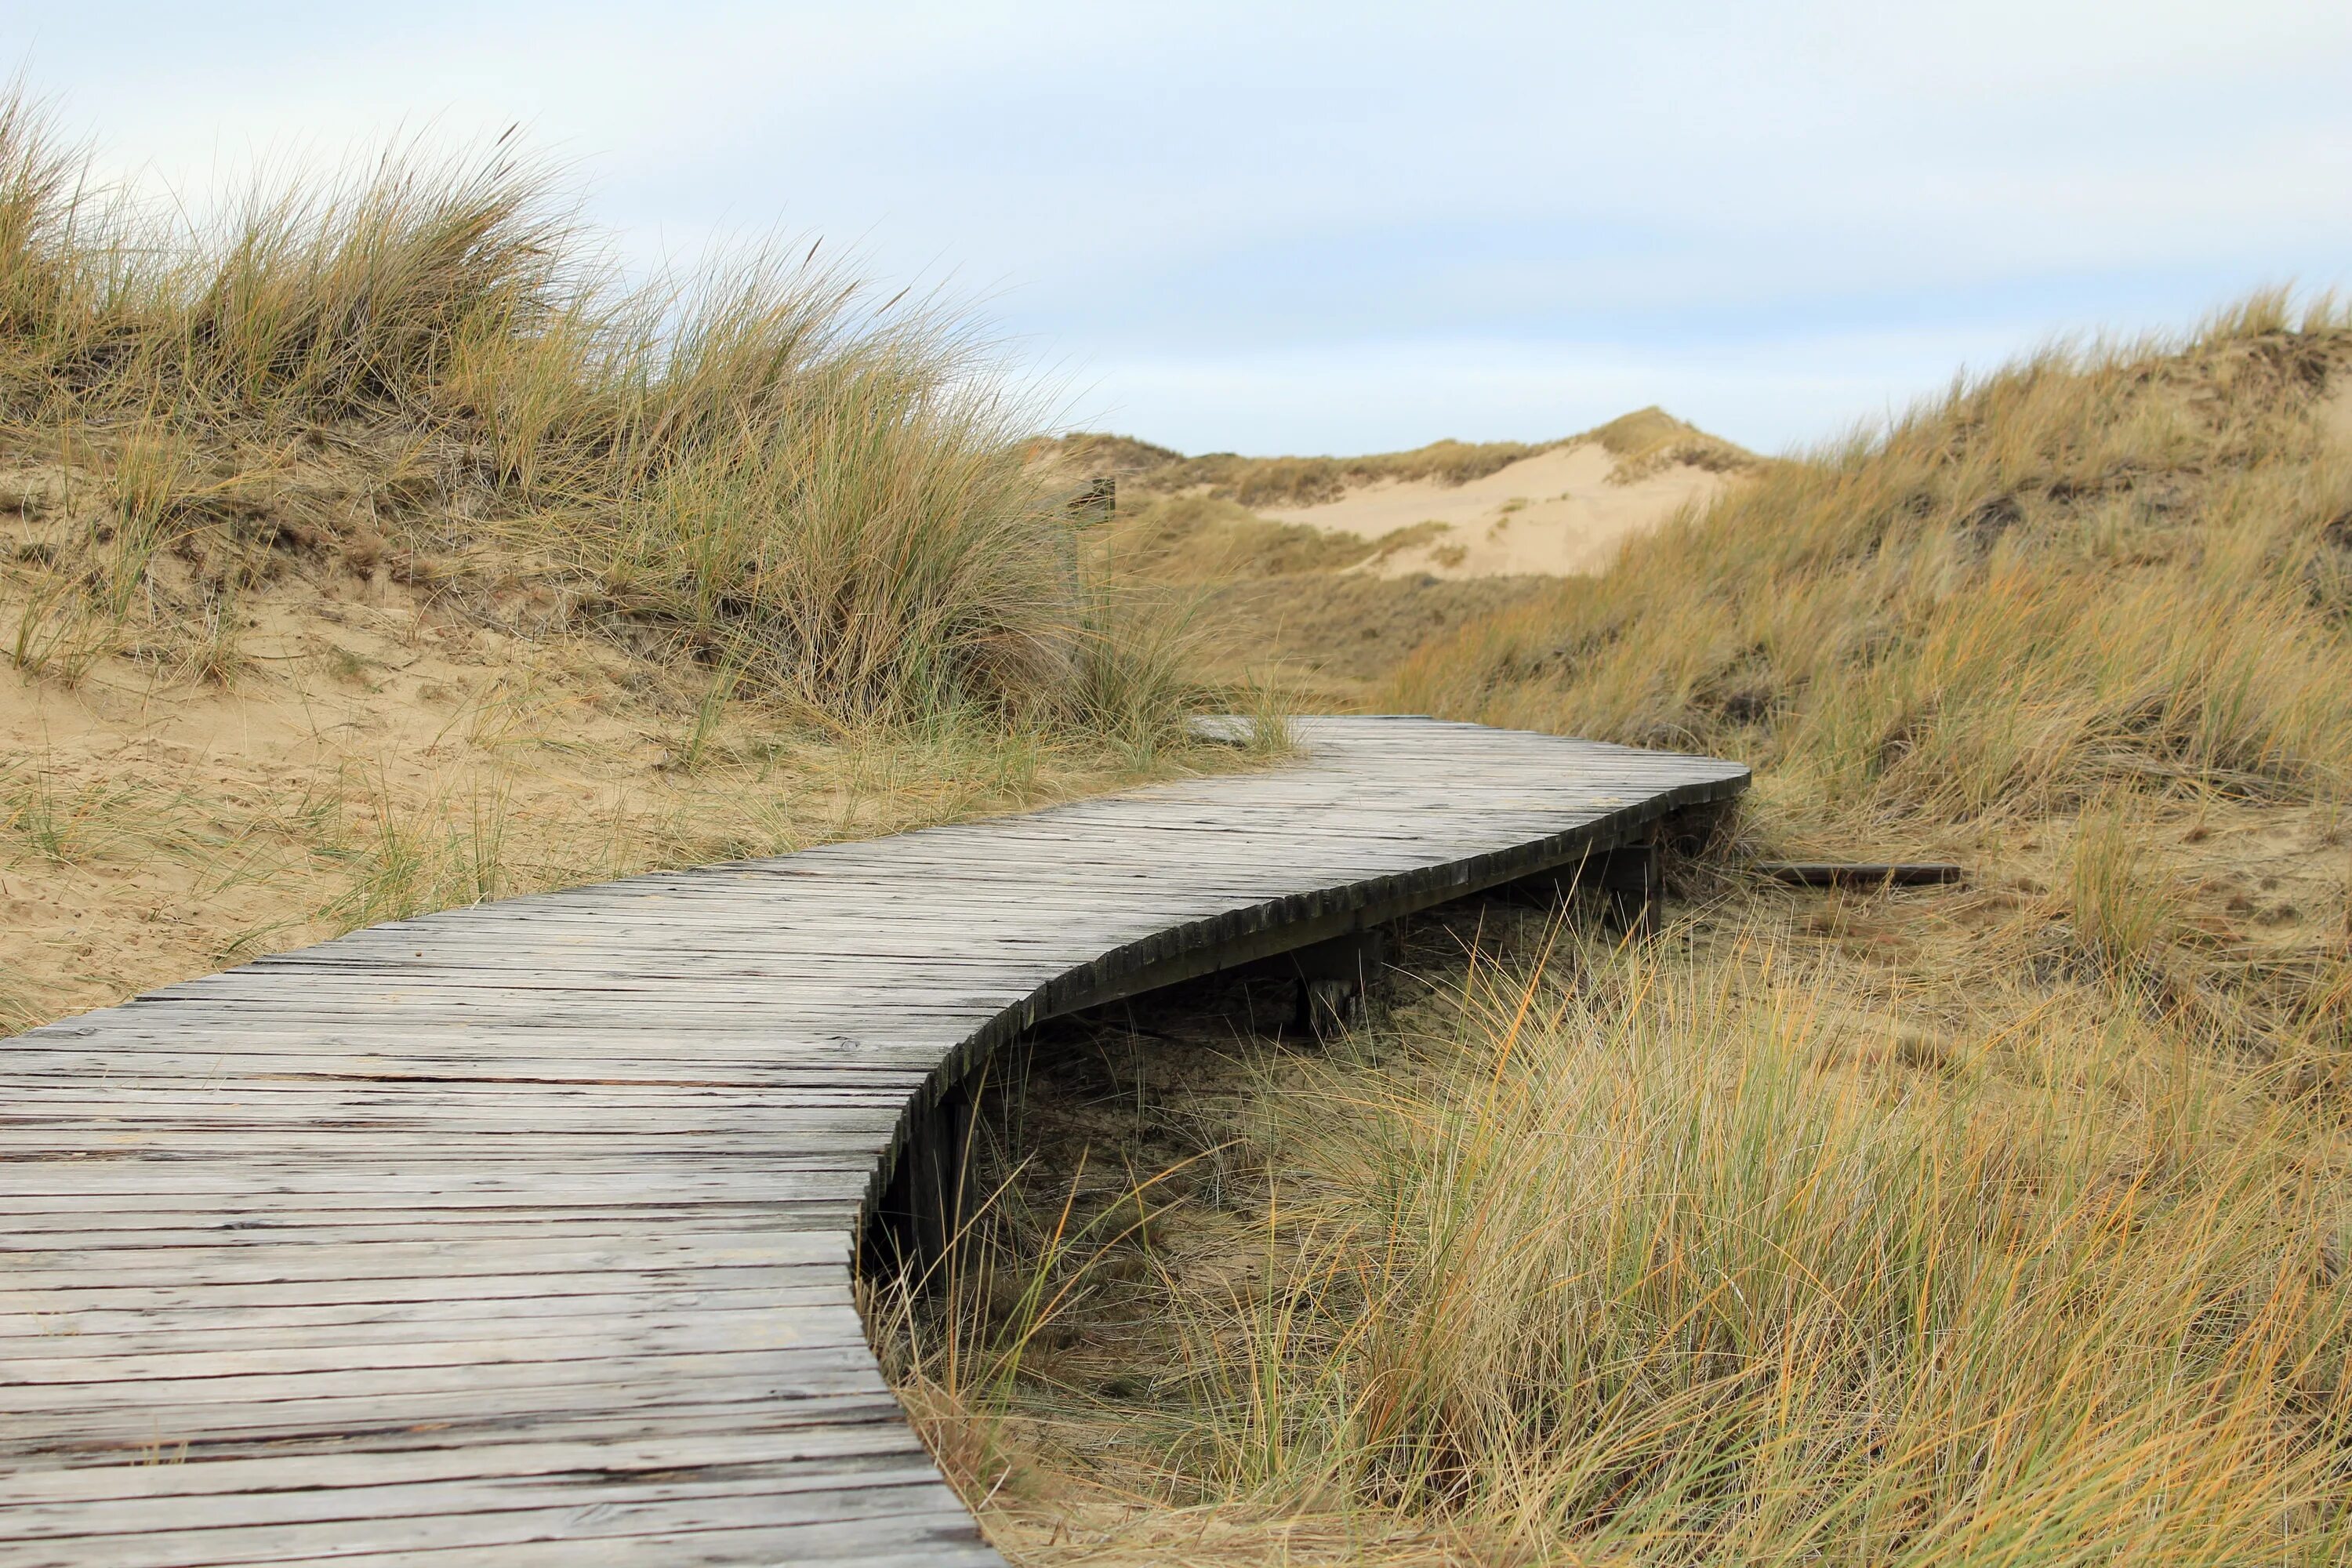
(1354, 227)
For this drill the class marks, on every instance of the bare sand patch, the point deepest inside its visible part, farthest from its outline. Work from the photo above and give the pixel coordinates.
(1558, 513)
(2335, 411)
(376, 757)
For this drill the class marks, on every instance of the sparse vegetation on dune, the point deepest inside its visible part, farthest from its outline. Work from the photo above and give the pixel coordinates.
(1644, 440)
(761, 468)
(1335, 600)
(1199, 539)
(1298, 481)
(1249, 482)
(290, 499)
(2121, 570)
(2006, 1223)
(1293, 598)
(1651, 438)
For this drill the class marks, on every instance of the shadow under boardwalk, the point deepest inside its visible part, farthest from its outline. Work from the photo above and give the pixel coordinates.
(523, 1234)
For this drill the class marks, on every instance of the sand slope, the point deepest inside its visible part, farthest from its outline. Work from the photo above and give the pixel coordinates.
(381, 754)
(1557, 513)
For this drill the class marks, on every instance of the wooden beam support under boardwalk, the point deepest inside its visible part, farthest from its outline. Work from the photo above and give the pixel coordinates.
(524, 1234)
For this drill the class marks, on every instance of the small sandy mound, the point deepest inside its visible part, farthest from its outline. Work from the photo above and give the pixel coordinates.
(1559, 513)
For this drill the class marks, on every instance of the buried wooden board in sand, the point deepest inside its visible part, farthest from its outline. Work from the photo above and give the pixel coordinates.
(1561, 511)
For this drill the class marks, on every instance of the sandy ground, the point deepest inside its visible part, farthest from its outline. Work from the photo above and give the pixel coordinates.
(1557, 513)
(152, 828)
(2336, 411)
(373, 758)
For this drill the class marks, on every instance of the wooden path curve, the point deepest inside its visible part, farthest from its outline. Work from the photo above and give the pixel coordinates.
(523, 1234)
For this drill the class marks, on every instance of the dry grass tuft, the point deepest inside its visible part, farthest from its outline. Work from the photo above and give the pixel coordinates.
(430, 370)
(1643, 442)
(1651, 1266)
(1253, 482)
(1651, 438)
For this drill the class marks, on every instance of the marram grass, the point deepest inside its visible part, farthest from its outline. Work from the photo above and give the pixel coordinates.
(1671, 1257)
(2001, 1225)
(2123, 568)
(1649, 1268)
(431, 368)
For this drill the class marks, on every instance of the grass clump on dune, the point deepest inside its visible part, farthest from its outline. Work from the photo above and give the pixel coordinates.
(1643, 442)
(1677, 1264)
(1681, 1256)
(2058, 1265)
(431, 368)
(2123, 569)
(1651, 438)
(1249, 482)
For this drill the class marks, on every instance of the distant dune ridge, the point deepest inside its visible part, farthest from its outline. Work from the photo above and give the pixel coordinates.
(1454, 508)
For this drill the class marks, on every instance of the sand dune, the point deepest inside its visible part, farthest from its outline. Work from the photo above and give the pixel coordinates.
(1557, 513)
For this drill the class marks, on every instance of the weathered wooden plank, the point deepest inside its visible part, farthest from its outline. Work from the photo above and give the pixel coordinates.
(143, 1347)
(440, 1388)
(50, 1297)
(452, 1256)
(395, 1416)
(106, 1441)
(771, 1501)
(75, 1230)
(27, 1333)
(782, 1175)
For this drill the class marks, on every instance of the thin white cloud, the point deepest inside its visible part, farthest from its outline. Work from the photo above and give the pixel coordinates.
(1261, 226)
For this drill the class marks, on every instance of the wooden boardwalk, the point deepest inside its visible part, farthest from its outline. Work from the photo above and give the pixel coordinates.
(523, 1234)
